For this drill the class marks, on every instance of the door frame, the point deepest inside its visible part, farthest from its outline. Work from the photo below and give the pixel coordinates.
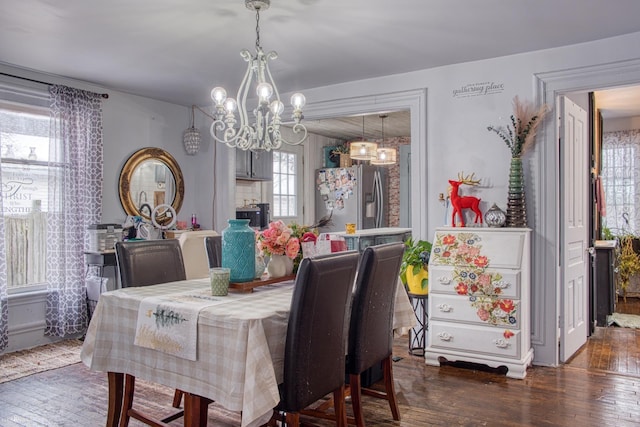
(546, 272)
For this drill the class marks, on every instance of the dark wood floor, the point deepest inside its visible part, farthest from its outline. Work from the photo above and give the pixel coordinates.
(599, 387)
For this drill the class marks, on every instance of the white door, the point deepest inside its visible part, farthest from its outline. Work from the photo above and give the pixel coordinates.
(574, 175)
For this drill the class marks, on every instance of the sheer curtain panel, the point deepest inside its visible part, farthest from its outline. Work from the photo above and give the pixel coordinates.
(621, 181)
(75, 202)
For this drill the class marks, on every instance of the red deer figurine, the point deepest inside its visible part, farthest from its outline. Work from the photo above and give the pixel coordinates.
(464, 202)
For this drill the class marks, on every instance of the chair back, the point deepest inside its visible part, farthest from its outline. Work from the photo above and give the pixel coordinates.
(213, 247)
(149, 262)
(196, 265)
(371, 322)
(315, 346)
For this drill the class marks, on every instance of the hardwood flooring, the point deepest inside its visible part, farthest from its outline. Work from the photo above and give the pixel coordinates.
(599, 387)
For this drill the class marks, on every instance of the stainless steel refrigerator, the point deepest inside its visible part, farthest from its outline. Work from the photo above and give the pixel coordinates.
(358, 194)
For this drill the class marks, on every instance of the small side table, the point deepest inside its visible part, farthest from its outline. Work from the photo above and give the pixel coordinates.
(418, 334)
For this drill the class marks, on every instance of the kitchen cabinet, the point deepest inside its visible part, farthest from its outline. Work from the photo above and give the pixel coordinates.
(480, 298)
(254, 166)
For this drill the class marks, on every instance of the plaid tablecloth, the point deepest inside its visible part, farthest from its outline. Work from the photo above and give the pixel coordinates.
(240, 348)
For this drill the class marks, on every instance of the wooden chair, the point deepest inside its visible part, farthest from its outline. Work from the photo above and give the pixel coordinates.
(144, 263)
(314, 356)
(371, 329)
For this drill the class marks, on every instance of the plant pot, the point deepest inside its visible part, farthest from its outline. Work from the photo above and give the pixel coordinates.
(345, 160)
(418, 283)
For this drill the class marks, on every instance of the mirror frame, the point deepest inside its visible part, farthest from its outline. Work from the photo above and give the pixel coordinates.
(130, 166)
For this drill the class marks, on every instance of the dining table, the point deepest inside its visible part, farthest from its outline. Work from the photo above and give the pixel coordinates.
(239, 348)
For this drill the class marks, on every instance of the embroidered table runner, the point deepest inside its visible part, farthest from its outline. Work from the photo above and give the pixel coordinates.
(169, 323)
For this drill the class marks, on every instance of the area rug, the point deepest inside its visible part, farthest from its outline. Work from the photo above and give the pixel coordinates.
(624, 320)
(39, 359)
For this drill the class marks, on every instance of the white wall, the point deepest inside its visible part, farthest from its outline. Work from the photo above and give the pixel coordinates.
(456, 139)
(622, 123)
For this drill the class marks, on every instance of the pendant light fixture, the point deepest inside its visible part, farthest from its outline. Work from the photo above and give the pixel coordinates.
(191, 137)
(384, 155)
(363, 150)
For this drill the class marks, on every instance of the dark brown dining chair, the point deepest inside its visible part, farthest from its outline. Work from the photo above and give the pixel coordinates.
(144, 263)
(371, 324)
(213, 246)
(371, 329)
(314, 356)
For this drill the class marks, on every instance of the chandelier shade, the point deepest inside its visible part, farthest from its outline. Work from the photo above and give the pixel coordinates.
(384, 155)
(363, 150)
(260, 131)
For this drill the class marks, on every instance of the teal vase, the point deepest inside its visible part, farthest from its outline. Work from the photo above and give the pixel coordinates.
(239, 250)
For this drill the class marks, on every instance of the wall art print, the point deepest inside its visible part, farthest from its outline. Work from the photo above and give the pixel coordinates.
(472, 278)
(335, 185)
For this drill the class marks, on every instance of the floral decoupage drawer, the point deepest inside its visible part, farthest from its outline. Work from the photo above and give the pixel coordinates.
(477, 339)
(475, 281)
(480, 309)
(473, 248)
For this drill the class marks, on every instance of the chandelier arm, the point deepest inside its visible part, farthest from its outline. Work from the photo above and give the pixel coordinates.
(269, 56)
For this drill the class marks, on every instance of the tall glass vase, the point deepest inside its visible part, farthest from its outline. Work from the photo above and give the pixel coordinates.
(516, 209)
(239, 250)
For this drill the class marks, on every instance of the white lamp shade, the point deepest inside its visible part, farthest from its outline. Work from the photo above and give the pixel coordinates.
(363, 150)
(385, 156)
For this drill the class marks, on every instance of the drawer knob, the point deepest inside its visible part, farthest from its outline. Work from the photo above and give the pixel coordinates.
(445, 280)
(500, 343)
(445, 336)
(503, 285)
(446, 308)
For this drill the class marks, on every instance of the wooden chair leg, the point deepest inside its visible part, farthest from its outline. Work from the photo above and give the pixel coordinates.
(115, 398)
(387, 369)
(356, 399)
(127, 403)
(340, 407)
(177, 398)
(292, 419)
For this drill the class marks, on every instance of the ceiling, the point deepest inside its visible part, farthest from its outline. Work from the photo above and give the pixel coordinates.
(178, 51)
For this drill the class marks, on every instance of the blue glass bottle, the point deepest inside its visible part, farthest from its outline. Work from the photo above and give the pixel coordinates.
(239, 250)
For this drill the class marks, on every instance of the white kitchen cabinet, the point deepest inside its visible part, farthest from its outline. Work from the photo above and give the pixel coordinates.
(480, 298)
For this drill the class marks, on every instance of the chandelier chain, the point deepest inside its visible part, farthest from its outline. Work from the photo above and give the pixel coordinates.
(258, 47)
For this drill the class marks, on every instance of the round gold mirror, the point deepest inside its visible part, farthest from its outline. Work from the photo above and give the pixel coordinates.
(151, 177)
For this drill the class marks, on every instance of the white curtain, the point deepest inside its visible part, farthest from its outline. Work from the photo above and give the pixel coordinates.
(621, 181)
(75, 201)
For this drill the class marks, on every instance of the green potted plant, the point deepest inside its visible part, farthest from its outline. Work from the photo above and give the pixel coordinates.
(414, 268)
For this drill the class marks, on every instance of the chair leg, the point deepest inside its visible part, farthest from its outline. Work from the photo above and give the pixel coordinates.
(356, 398)
(387, 368)
(340, 407)
(292, 419)
(177, 398)
(127, 402)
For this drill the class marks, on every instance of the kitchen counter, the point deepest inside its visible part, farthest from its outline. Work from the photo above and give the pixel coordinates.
(362, 239)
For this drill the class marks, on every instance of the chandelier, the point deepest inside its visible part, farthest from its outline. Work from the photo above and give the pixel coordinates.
(264, 133)
(384, 155)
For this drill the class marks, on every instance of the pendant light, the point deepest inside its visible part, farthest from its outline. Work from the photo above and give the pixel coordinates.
(191, 136)
(363, 150)
(384, 155)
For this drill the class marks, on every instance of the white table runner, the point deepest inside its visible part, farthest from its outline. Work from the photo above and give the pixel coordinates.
(169, 323)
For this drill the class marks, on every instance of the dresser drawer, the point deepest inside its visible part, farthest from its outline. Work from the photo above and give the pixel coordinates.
(475, 339)
(505, 283)
(499, 250)
(482, 310)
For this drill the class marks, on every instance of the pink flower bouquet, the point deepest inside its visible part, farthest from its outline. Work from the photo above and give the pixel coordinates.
(278, 239)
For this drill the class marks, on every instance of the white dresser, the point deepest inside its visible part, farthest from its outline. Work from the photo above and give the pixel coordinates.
(479, 298)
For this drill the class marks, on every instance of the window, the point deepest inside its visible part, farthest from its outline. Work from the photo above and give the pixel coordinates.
(285, 191)
(620, 180)
(24, 148)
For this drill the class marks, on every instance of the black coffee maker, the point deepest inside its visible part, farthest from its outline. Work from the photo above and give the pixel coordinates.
(264, 215)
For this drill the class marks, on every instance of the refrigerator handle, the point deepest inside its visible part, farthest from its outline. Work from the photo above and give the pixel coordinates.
(377, 185)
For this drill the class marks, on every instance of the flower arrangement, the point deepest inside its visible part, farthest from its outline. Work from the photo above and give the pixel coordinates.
(278, 239)
(520, 135)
